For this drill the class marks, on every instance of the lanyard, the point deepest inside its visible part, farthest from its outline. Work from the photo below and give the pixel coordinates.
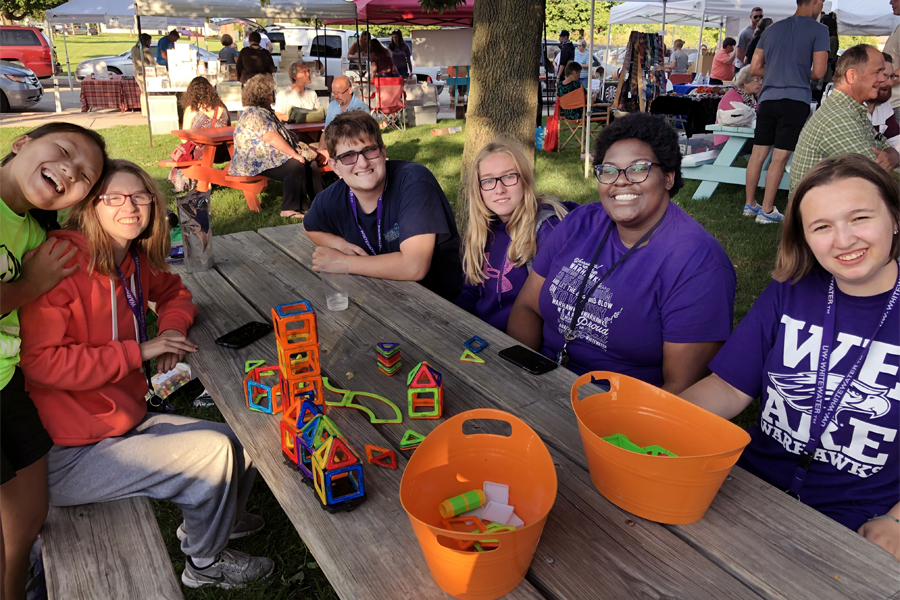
(821, 414)
(362, 232)
(136, 304)
(571, 332)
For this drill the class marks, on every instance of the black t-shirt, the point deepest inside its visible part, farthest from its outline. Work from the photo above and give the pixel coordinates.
(413, 204)
(253, 61)
(566, 54)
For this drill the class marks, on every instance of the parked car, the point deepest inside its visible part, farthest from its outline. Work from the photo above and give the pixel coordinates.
(29, 48)
(19, 87)
(121, 64)
(84, 30)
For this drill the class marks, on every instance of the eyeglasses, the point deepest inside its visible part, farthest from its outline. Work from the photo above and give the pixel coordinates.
(489, 183)
(894, 77)
(339, 92)
(139, 199)
(756, 17)
(350, 158)
(636, 173)
(756, 79)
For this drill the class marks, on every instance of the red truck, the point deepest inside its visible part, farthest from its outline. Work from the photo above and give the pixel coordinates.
(28, 47)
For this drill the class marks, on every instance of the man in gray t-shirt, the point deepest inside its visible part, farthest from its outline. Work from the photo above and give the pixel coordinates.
(745, 36)
(679, 63)
(788, 54)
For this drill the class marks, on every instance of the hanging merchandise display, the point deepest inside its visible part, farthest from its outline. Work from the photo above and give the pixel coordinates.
(641, 79)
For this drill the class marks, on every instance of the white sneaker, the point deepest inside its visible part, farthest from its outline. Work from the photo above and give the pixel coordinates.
(772, 217)
(752, 211)
(232, 569)
(246, 524)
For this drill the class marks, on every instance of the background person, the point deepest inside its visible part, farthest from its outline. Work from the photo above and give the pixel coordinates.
(751, 48)
(566, 53)
(228, 54)
(54, 154)
(264, 146)
(570, 82)
(163, 46)
(746, 36)
(83, 356)
(582, 57)
(723, 63)
(344, 99)
(818, 85)
(264, 42)
(839, 238)
(296, 94)
(508, 222)
(142, 56)
(745, 91)
(635, 284)
(679, 63)
(400, 54)
(881, 114)
(382, 60)
(253, 60)
(892, 47)
(789, 54)
(202, 109)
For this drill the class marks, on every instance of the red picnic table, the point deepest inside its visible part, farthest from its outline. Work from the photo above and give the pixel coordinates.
(206, 173)
(115, 92)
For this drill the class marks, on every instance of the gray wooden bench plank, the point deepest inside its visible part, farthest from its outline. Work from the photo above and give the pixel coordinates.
(367, 553)
(595, 549)
(107, 551)
(807, 562)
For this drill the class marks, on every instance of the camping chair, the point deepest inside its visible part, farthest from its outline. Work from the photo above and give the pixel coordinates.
(576, 99)
(389, 101)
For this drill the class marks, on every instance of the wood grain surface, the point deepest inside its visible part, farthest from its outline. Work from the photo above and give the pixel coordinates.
(107, 551)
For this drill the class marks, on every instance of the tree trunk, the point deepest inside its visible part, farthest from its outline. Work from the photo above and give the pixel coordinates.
(503, 93)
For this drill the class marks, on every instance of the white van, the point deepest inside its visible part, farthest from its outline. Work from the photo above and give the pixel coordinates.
(331, 49)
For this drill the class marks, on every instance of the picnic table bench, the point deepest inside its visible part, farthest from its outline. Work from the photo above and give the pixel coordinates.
(205, 171)
(720, 169)
(753, 542)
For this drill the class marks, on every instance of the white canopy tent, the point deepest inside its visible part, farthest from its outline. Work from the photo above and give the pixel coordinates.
(864, 17)
(276, 9)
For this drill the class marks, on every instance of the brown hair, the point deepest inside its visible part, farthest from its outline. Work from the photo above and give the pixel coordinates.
(258, 91)
(201, 94)
(153, 242)
(795, 258)
(351, 126)
(572, 68)
(227, 40)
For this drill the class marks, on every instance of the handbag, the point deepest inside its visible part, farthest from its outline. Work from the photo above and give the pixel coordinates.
(184, 152)
(306, 115)
(551, 137)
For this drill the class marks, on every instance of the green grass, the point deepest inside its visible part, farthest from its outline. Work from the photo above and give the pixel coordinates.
(751, 248)
(84, 47)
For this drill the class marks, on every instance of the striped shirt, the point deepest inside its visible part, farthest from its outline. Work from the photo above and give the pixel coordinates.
(841, 126)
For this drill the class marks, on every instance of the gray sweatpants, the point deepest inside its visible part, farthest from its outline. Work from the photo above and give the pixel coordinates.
(199, 465)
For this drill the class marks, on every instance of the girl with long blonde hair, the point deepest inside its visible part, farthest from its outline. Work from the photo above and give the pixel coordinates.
(86, 356)
(507, 222)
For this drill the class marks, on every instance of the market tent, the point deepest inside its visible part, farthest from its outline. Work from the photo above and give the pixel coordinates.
(409, 12)
(677, 13)
(864, 17)
(91, 11)
(275, 9)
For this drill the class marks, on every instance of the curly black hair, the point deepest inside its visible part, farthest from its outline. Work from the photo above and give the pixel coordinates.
(201, 94)
(653, 131)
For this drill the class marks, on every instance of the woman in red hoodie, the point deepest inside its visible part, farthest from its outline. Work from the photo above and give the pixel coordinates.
(85, 355)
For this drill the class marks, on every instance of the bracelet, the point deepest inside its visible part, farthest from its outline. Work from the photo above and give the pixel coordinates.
(896, 520)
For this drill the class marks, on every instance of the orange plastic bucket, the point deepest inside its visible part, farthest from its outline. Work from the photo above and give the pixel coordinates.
(675, 490)
(449, 463)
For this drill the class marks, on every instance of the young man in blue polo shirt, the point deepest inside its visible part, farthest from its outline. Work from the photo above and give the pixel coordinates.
(386, 219)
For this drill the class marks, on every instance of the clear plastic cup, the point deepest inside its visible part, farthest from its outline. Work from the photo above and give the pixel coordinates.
(335, 278)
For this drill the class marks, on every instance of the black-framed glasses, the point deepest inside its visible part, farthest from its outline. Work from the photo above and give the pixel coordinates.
(340, 92)
(756, 17)
(635, 173)
(350, 158)
(139, 199)
(489, 183)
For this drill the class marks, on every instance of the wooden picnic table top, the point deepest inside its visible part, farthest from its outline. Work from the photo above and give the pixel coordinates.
(753, 542)
(213, 136)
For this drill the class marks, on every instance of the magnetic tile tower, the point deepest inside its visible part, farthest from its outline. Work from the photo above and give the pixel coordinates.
(425, 392)
(310, 439)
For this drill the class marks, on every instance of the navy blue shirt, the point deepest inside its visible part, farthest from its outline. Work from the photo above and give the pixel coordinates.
(163, 45)
(413, 204)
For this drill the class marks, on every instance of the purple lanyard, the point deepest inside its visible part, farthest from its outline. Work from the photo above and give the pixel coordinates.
(136, 304)
(365, 238)
(821, 414)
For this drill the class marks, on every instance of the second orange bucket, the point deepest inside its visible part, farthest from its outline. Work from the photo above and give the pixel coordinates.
(674, 490)
(450, 462)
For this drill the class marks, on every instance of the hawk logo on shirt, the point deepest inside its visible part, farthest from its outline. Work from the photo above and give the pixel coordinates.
(393, 233)
(10, 267)
(799, 389)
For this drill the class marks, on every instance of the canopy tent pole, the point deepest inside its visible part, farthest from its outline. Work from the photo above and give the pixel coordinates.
(53, 67)
(368, 63)
(608, 57)
(547, 95)
(589, 103)
(700, 42)
(68, 67)
(719, 40)
(665, 2)
(144, 77)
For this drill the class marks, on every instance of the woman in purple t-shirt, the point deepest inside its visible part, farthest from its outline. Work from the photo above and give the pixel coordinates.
(821, 346)
(631, 284)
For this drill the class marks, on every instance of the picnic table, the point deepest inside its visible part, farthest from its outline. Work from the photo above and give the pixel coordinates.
(114, 92)
(754, 541)
(700, 112)
(205, 171)
(715, 169)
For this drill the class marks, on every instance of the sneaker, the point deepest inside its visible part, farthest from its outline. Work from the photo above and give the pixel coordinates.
(232, 569)
(772, 217)
(246, 524)
(752, 211)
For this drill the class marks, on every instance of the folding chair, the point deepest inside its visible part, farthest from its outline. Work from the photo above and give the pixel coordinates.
(576, 99)
(389, 101)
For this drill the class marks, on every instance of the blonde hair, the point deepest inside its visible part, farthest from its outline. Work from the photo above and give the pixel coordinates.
(522, 222)
(153, 242)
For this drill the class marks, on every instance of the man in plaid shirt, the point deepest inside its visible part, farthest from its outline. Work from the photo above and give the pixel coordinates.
(841, 126)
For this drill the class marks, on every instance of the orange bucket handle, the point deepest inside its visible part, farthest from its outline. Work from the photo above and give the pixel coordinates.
(723, 462)
(518, 426)
(593, 377)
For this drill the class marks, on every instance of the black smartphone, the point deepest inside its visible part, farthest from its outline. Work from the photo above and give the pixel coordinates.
(244, 335)
(529, 360)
